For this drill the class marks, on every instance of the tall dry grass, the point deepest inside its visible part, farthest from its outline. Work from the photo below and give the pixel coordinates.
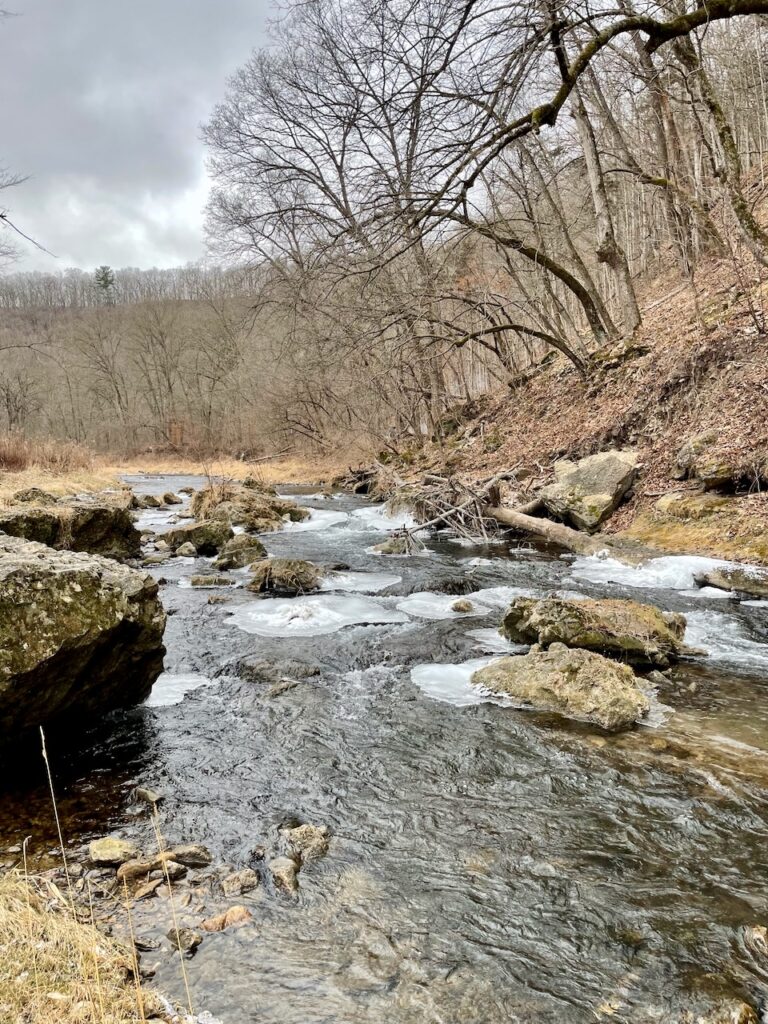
(19, 453)
(56, 968)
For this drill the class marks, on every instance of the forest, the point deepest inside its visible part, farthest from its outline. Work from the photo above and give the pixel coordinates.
(414, 204)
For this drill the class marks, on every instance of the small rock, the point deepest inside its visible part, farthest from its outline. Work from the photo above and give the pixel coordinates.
(174, 870)
(112, 851)
(14, 849)
(191, 855)
(234, 916)
(393, 546)
(148, 889)
(186, 550)
(150, 501)
(211, 581)
(309, 841)
(218, 599)
(185, 939)
(146, 945)
(462, 605)
(169, 498)
(240, 882)
(283, 871)
(143, 794)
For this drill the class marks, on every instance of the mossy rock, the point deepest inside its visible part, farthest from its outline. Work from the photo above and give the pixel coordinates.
(98, 529)
(284, 576)
(393, 546)
(80, 635)
(208, 537)
(240, 551)
(587, 492)
(628, 630)
(211, 581)
(578, 684)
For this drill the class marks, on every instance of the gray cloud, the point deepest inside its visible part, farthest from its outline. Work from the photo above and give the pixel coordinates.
(103, 103)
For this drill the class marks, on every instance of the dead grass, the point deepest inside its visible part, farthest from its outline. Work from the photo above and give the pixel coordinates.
(63, 484)
(294, 470)
(19, 453)
(55, 968)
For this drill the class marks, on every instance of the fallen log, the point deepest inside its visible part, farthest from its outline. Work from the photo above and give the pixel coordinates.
(572, 540)
(556, 533)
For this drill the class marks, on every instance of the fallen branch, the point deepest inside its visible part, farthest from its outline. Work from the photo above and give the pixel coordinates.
(572, 540)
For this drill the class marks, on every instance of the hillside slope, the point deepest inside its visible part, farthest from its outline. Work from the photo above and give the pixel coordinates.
(697, 369)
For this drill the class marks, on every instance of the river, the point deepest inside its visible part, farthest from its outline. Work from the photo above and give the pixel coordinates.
(487, 864)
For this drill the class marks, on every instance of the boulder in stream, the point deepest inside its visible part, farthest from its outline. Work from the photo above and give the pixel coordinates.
(99, 529)
(80, 635)
(576, 683)
(284, 576)
(256, 506)
(624, 629)
(207, 537)
(242, 550)
(739, 579)
(587, 492)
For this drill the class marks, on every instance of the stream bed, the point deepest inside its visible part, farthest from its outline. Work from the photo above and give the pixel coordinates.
(487, 864)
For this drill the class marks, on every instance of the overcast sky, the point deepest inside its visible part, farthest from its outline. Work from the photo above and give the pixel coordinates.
(102, 102)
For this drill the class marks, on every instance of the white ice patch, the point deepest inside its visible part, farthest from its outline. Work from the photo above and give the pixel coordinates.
(451, 683)
(498, 597)
(359, 582)
(376, 517)
(480, 561)
(319, 519)
(491, 640)
(435, 606)
(724, 640)
(171, 687)
(671, 572)
(310, 616)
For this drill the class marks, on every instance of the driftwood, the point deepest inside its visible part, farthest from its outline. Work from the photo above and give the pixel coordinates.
(473, 512)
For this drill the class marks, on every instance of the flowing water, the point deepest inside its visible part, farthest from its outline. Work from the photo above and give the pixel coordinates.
(488, 864)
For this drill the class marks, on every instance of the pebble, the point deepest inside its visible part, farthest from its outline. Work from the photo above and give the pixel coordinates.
(185, 939)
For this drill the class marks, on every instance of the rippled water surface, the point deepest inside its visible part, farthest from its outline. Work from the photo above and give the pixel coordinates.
(487, 864)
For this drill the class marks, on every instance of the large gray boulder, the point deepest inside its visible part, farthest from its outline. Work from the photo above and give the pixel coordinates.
(576, 683)
(702, 459)
(628, 630)
(739, 579)
(587, 492)
(80, 635)
(95, 527)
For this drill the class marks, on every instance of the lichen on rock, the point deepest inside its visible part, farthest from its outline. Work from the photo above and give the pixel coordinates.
(576, 683)
(80, 635)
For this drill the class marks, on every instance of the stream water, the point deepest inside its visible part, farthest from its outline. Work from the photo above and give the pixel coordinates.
(488, 864)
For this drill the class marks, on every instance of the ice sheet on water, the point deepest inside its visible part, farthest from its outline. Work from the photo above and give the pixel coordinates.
(724, 640)
(359, 582)
(313, 615)
(670, 572)
(428, 605)
(498, 597)
(451, 683)
(171, 687)
(491, 640)
(319, 519)
(376, 517)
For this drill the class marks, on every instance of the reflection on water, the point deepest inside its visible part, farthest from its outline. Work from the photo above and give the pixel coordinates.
(487, 864)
